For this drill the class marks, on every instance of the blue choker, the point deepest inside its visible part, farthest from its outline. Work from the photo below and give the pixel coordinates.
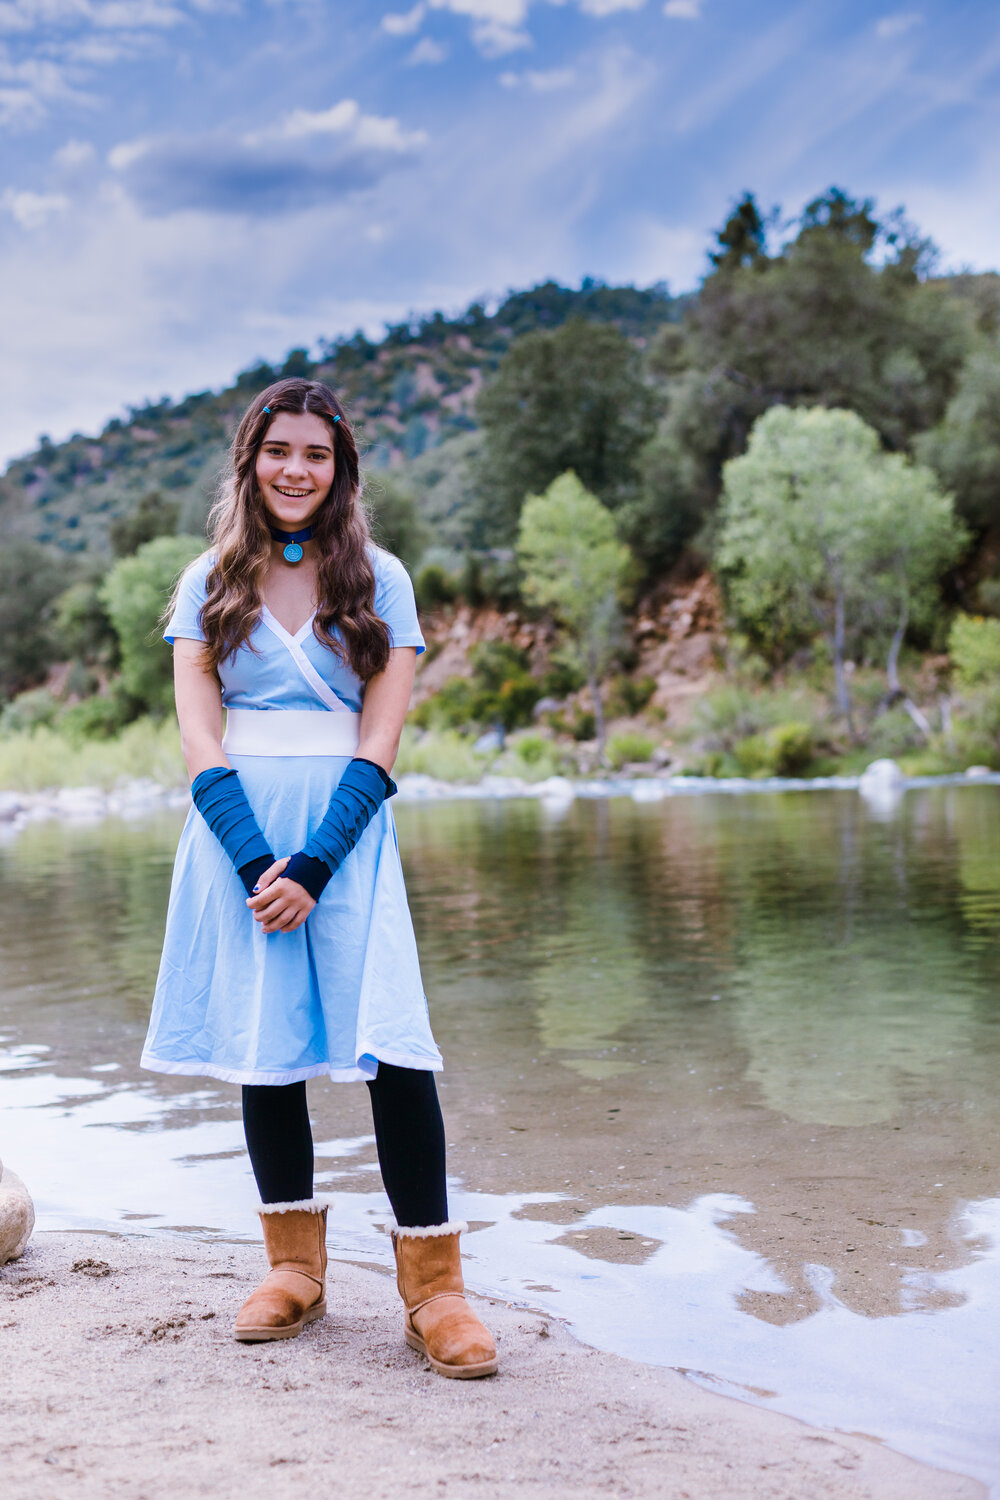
(292, 551)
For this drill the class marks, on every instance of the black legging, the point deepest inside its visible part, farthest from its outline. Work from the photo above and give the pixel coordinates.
(409, 1135)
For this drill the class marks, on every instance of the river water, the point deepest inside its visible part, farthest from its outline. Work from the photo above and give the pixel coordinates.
(720, 1088)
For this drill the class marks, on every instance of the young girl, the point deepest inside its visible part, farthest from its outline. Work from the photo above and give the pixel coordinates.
(289, 950)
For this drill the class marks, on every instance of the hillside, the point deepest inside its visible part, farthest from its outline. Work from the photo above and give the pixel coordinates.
(837, 353)
(410, 394)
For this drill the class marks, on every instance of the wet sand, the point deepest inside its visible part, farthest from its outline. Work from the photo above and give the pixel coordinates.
(120, 1377)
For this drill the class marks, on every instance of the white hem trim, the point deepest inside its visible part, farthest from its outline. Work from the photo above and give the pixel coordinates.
(431, 1231)
(356, 1074)
(303, 1206)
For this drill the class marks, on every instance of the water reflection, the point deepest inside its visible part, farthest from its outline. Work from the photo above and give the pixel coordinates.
(721, 1080)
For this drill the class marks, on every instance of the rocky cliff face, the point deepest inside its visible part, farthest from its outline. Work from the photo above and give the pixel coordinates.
(676, 634)
(679, 637)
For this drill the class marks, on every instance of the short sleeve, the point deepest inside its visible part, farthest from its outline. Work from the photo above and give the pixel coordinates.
(394, 601)
(184, 618)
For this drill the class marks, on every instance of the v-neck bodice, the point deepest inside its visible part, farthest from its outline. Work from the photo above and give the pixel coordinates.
(279, 669)
(281, 631)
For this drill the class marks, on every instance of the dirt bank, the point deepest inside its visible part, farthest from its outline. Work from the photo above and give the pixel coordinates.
(119, 1377)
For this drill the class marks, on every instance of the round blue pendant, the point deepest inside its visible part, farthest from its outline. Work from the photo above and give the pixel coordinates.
(292, 553)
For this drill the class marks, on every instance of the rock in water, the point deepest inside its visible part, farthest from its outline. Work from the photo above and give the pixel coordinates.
(881, 775)
(17, 1215)
(881, 786)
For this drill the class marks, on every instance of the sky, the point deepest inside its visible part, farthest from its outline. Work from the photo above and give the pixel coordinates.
(187, 186)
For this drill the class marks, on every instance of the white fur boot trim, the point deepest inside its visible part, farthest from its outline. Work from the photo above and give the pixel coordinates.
(303, 1206)
(431, 1231)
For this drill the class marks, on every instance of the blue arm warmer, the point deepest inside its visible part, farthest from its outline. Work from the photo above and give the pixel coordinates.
(223, 804)
(363, 788)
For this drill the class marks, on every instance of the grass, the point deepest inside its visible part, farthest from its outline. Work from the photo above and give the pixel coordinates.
(41, 759)
(444, 754)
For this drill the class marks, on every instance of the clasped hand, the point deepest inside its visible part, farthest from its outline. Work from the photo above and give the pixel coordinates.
(279, 905)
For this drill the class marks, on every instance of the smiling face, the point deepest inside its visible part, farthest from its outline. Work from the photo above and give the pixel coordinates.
(295, 468)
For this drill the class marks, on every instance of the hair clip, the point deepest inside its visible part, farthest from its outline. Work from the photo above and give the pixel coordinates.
(268, 410)
(337, 417)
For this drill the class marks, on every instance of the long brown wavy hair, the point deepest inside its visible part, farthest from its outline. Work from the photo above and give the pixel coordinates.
(238, 528)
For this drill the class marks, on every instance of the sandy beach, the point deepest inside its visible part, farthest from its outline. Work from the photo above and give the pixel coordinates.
(120, 1377)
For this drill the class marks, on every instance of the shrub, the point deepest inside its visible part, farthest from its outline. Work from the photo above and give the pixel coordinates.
(531, 748)
(98, 718)
(446, 756)
(434, 587)
(793, 748)
(532, 758)
(974, 647)
(977, 727)
(562, 677)
(449, 708)
(785, 750)
(753, 756)
(628, 747)
(731, 714)
(894, 733)
(29, 711)
(628, 696)
(500, 690)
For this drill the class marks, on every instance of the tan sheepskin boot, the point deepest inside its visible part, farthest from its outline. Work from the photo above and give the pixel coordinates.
(293, 1293)
(439, 1323)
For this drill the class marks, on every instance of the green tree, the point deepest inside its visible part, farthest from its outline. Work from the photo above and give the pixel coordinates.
(82, 625)
(823, 323)
(574, 564)
(30, 579)
(742, 240)
(822, 529)
(915, 537)
(571, 399)
(841, 316)
(395, 519)
(134, 594)
(964, 448)
(153, 516)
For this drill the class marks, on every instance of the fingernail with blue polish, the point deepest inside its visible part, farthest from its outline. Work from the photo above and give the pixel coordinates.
(256, 889)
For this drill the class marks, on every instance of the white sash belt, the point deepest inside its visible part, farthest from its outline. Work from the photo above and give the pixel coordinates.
(290, 731)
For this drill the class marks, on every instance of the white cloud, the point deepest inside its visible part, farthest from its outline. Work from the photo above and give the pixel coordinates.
(134, 15)
(404, 23)
(30, 85)
(375, 132)
(74, 155)
(308, 158)
(427, 51)
(683, 10)
(53, 46)
(543, 81)
(609, 7)
(121, 157)
(898, 24)
(497, 25)
(24, 16)
(32, 210)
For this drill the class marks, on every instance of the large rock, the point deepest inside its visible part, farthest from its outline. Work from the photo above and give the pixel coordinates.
(17, 1215)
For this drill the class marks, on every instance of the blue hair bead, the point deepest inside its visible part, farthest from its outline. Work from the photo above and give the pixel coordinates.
(337, 417)
(268, 410)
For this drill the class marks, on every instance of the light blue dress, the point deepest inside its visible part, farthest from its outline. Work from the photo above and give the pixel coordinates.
(341, 993)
